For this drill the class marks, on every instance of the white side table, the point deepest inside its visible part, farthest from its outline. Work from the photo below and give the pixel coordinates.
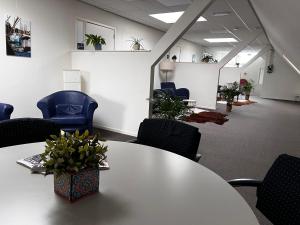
(190, 102)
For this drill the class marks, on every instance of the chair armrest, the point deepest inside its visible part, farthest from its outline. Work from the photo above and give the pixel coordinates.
(243, 182)
(183, 92)
(45, 106)
(91, 107)
(197, 157)
(6, 110)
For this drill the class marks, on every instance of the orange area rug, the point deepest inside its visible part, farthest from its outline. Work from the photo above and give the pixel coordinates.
(203, 117)
(241, 103)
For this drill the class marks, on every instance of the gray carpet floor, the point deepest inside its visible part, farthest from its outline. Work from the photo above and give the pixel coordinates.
(248, 143)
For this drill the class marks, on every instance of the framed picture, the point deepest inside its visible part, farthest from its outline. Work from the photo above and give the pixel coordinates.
(18, 36)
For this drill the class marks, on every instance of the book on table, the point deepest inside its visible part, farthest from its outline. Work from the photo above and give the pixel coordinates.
(35, 164)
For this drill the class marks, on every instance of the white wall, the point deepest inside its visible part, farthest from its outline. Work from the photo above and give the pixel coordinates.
(200, 78)
(229, 75)
(255, 72)
(26, 80)
(283, 83)
(119, 81)
(125, 29)
(184, 50)
(23, 81)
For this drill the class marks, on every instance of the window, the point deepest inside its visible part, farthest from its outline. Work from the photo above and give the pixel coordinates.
(87, 27)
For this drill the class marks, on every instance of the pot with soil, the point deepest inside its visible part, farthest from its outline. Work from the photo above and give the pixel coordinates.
(228, 107)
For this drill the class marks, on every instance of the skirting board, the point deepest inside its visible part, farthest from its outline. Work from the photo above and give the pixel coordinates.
(97, 125)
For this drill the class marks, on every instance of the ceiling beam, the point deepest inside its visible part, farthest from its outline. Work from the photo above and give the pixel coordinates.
(259, 21)
(259, 54)
(238, 48)
(178, 29)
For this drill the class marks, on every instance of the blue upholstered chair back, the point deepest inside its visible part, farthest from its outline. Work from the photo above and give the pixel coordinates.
(168, 85)
(5, 111)
(170, 88)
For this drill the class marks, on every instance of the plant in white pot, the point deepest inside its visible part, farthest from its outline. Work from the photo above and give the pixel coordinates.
(96, 40)
(75, 160)
(136, 44)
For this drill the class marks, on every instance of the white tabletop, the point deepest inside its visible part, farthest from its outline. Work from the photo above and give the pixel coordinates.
(145, 186)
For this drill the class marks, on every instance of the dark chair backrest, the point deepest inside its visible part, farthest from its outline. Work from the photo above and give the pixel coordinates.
(167, 85)
(170, 135)
(5, 111)
(26, 130)
(278, 198)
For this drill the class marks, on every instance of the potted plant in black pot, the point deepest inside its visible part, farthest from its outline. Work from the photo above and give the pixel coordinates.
(247, 88)
(96, 40)
(229, 93)
(74, 160)
(208, 59)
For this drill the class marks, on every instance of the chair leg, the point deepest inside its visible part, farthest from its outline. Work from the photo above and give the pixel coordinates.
(197, 157)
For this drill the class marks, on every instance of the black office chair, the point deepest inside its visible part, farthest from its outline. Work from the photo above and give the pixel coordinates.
(26, 130)
(170, 135)
(278, 195)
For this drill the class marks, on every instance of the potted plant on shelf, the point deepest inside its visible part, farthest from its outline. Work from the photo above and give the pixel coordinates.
(74, 159)
(174, 58)
(229, 93)
(247, 88)
(208, 59)
(136, 43)
(96, 40)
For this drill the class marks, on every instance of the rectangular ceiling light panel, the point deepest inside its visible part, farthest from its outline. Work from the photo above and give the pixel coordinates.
(172, 17)
(220, 40)
(174, 2)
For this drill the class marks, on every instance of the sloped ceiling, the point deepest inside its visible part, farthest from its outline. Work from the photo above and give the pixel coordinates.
(280, 19)
(215, 27)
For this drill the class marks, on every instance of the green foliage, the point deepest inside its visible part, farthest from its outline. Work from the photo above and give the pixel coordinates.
(208, 59)
(94, 39)
(70, 153)
(230, 92)
(248, 87)
(169, 107)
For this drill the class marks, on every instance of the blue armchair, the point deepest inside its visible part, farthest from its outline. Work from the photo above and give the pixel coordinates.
(170, 88)
(71, 110)
(5, 111)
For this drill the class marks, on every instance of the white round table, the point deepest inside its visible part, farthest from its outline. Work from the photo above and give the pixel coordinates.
(145, 186)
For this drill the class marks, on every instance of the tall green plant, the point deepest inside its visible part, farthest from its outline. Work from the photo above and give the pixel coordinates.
(230, 92)
(248, 87)
(169, 107)
(94, 39)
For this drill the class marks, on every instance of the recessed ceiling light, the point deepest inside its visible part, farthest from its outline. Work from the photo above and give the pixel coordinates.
(172, 17)
(225, 13)
(220, 40)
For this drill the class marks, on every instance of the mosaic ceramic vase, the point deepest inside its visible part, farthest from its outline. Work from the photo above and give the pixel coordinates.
(77, 185)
